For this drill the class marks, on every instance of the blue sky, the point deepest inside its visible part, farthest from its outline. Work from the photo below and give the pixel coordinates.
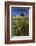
(18, 10)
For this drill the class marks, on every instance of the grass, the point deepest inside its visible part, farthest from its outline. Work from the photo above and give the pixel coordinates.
(20, 25)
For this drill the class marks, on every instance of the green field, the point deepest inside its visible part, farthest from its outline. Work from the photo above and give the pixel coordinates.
(20, 26)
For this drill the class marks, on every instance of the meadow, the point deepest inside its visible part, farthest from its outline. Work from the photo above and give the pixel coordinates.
(20, 25)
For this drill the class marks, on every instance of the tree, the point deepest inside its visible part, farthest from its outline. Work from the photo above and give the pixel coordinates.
(22, 14)
(14, 15)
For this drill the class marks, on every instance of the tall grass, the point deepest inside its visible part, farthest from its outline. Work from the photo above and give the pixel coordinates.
(20, 26)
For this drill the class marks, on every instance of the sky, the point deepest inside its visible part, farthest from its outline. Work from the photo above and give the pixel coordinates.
(18, 10)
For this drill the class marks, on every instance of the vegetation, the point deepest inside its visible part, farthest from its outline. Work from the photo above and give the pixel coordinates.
(20, 26)
(21, 14)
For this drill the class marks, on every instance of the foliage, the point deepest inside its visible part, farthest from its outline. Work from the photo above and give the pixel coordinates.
(20, 26)
(21, 14)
